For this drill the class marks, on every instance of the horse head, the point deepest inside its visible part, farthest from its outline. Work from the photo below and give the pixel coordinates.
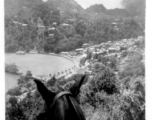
(61, 105)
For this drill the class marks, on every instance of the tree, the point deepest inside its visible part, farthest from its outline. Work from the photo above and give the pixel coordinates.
(15, 91)
(11, 68)
(48, 14)
(11, 48)
(14, 111)
(67, 31)
(27, 48)
(21, 48)
(80, 28)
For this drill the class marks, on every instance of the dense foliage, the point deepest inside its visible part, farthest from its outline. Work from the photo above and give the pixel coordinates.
(15, 91)
(46, 28)
(115, 96)
(11, 68)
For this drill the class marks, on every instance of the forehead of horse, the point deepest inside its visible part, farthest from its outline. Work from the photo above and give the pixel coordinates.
(66, 105)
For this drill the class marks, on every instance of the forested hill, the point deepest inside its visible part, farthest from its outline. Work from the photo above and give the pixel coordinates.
(57, 25)
(12, 7)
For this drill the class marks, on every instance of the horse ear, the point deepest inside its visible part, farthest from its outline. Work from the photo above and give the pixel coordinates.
(47, 95)
(75, 89)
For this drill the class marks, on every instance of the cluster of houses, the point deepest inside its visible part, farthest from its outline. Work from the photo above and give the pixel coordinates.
(116, 48)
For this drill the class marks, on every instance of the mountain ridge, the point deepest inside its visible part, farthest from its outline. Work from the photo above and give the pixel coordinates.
(100, 9)
(12, 7)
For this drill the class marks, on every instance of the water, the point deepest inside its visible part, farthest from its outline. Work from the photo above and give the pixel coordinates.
(10, 81)
(41, 65)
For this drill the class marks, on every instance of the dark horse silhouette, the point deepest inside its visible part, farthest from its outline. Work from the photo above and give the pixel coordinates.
(61, 105)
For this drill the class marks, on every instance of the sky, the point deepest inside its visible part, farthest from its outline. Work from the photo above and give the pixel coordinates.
(109, 4)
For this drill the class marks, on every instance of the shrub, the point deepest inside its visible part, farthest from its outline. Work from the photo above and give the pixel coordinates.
(28, 108)
(103, 83)
(89, 55)
(14, 110)
(15, 91)
(21, 48)
(27, 48)
(32, 105)
(82, 61)
(103, 59)
(113, 63)
(28, 73)
(99, 67)
(106, 81)
(11, 48)
(123, 48)
(136, 69)
(52, 81)
(127, 105)
(23, 80)
(95, 56)
(124, 54)
(11, 68)
(110, 61)
(57, 50)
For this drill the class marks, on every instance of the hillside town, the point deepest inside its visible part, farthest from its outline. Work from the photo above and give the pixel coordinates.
(116, 49)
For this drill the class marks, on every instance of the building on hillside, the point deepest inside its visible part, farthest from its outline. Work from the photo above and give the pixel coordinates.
(85, 45)
(80, 50)
(54, 24)
(64, 53)
(65, 25)
(114, 23)
(51, 28)
(24, 25)
(113, 49)
(20, 53)
(51, 31)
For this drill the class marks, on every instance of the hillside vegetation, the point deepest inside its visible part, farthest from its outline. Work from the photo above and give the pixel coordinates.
(115, 87)
(49, 27)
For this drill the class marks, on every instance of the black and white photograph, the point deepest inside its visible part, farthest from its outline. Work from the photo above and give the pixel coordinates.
(74, 59)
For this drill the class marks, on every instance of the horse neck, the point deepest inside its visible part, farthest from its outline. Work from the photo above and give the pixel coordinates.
(67, 108)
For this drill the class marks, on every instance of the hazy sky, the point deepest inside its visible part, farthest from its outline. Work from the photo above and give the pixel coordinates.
(109, 4)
